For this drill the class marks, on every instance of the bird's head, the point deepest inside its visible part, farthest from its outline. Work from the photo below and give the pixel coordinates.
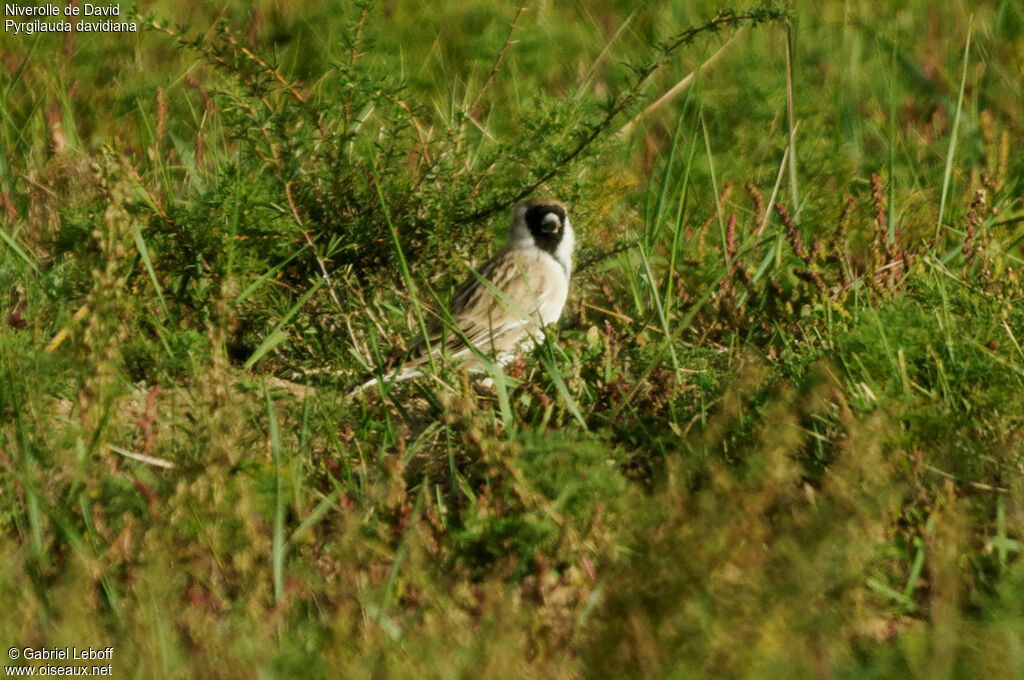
(545, 223)
(543, 220)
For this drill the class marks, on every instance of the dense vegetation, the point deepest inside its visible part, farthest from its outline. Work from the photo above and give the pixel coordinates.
(780, 432)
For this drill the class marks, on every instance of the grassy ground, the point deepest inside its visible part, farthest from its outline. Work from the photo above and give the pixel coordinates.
(779, 433)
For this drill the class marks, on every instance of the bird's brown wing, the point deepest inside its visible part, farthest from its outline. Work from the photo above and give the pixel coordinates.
(487, 319)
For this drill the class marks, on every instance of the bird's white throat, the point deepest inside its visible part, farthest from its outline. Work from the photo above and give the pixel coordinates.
(520, 238)
(563, 253)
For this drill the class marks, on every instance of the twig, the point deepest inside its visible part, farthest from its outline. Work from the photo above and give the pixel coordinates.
(353, 60)
(678, 87)
(977, 485)
(775, 191)
(605, 254)
(265, 66)
(881, 270)
(723, 18)
(163, 213)
(790, 123)
(142, 458)
(212, 55)
(420, 133)
(497, 61)
(309, 242)
(592, 72)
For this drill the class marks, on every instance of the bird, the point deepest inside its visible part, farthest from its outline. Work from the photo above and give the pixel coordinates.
(502, 306)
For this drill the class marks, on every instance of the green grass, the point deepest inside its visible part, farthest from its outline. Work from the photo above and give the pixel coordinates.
(777, 434)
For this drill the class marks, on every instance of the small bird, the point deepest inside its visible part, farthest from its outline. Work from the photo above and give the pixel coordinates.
(531, 277)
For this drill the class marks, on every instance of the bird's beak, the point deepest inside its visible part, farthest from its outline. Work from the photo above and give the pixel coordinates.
(551, 224)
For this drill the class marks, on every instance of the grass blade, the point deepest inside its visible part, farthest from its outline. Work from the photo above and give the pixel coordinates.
(278, 541)
(13, 245)
(140, 243)
(570, 403)
(953, 134)
(278, 335)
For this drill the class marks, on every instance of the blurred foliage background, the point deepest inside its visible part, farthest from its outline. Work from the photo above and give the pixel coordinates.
(778, 433)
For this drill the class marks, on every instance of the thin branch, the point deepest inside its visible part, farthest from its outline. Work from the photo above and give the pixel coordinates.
(605, 254)
(775, 190)
(141, 457)
(790, 123)
(725, 18)
(678, 87)
(309, 242)
(353, 60)
(497, 61)
(265, 66)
